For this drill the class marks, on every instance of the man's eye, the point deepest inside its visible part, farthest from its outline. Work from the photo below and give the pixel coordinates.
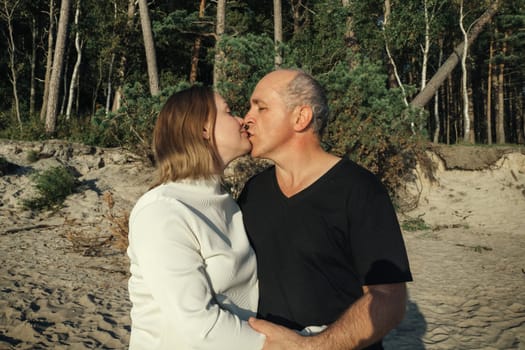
(262, 108)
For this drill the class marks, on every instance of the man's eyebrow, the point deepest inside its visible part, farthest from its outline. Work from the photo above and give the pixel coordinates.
(256, 101)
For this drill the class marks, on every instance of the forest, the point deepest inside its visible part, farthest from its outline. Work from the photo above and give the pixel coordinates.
(399, 74)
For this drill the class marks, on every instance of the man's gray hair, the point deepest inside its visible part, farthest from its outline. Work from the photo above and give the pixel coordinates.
(303, 89)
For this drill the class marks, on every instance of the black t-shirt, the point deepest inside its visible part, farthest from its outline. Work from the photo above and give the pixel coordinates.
(317, 248)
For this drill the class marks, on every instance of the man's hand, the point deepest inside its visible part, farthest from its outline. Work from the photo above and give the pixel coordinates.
(278, 337)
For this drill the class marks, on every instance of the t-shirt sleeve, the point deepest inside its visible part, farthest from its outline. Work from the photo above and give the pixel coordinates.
(168, 254)
(376, 243)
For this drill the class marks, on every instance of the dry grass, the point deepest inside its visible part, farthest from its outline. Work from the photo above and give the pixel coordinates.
(95, 244)
(118, 223)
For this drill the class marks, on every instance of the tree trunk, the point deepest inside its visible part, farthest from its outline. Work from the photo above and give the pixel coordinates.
(64, 83)
(444, 71)
(393, 78)
(149, 46)
(437, 130)
(350, 39)
(7, 14)
(196, 48)
(58, 63)
(219, 31)
(426, 46)
(467, 137)
(298, 15)
(277, 32)
(121, 71)
(109, 87)
(471, 115)
(392, 64)
(49, 59)
(518, 106)
(74, 77)
(520, 125)
(500, 119)
(489, 92)
(449, 106)
(32, 90)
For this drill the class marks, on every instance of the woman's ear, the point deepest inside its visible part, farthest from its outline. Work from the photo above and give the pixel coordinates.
(205, 134)
(303, 118)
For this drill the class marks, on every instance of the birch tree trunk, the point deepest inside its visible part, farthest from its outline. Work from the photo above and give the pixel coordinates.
(426, 46)
(75, 76)
(464, 77)
(49, 58)
(149, 46)
(109, 86)
(8, 14)
(393, 66)
(196, 48)
(277, 32)
(437, 119)
(393, 77)
(422, 98)
(219, 31)
(58, 63)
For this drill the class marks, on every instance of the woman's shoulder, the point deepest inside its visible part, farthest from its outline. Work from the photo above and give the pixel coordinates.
(156, 200)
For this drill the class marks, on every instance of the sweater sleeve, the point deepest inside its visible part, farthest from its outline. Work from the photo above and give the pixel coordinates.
(168, 255)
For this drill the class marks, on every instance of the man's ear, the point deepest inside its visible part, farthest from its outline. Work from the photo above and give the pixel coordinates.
(303, 118)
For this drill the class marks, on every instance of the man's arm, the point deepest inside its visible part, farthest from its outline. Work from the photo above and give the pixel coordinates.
(365, 322)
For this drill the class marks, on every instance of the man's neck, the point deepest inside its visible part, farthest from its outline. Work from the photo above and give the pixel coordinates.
(302, 168)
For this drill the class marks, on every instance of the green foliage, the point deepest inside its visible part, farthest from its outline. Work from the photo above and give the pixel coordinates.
(415, 224)
(133, 124)
(369, 122)
(32, 156)
(32, 129)
(319, 46)
(53, 186)
(248, 59)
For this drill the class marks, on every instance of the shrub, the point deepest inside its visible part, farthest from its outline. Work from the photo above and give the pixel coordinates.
(32, 156)
(53, 186)
(247, 59)
(370, 123)
(415, 224)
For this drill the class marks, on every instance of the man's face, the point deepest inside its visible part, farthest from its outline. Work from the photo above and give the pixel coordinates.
(269, 120)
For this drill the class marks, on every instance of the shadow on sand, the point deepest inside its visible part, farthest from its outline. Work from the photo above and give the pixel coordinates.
(409, 334)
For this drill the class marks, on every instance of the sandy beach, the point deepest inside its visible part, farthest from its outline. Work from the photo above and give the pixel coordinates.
(63, 273)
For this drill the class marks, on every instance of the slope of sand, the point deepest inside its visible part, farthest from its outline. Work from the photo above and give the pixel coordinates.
(63, 280)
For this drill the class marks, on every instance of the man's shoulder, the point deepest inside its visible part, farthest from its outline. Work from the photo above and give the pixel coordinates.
(262, 177)
(349, 169)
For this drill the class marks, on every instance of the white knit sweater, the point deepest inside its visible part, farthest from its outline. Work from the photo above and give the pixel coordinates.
(193, 278)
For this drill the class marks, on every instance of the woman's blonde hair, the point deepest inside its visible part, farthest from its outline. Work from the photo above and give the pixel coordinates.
(180, 148)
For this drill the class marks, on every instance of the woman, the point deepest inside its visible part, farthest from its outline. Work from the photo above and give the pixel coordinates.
(193, 278)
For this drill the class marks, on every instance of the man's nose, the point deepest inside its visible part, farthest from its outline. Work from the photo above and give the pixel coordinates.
(248, 118)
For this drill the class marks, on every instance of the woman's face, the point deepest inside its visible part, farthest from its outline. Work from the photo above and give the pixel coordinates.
(230, 137)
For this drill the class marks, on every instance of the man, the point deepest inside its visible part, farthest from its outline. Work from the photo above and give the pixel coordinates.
(328, 244)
